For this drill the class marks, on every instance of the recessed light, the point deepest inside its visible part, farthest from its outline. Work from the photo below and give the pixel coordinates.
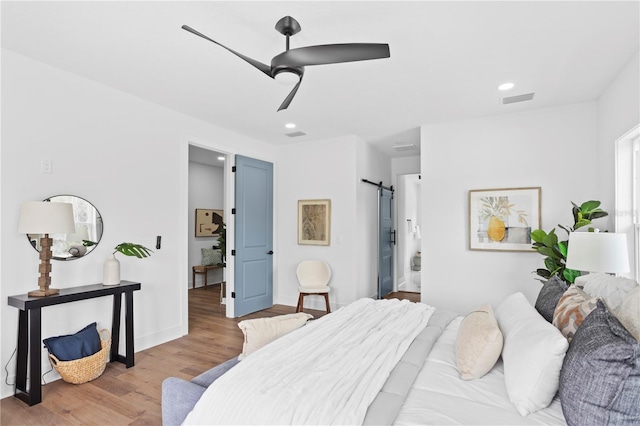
(506, 86)
(221, 158)
(290, 125)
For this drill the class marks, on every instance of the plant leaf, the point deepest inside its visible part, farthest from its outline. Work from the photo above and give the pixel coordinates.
(550, 240)
(596, 214)
(543, 273)
(548, 251)
(589, 206)
(570, 275)
(130, 249)
(538, 235)
(562, 246)
(581, 223)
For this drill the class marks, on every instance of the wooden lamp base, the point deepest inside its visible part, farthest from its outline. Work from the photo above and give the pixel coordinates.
(44, 281)
(43, 292)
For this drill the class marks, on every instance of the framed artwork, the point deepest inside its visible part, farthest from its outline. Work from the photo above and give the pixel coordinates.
(502, 219)
(314, 222)
(208, 222)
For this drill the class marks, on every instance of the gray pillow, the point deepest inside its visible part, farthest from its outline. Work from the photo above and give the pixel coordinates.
(211, 257)
(600, 376)
(549, 295)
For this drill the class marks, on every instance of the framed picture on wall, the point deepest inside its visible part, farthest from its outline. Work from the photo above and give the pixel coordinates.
(502, 219)
(314, 222)
(208, 222)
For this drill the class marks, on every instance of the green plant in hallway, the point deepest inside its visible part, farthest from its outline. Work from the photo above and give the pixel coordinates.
(555, 250)
(222, 245)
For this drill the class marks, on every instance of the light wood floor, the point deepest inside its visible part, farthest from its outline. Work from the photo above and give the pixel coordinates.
(132, 396)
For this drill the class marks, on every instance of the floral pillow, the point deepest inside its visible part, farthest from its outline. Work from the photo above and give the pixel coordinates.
(573, 307)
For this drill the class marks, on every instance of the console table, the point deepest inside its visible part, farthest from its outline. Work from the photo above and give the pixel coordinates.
(30, 322)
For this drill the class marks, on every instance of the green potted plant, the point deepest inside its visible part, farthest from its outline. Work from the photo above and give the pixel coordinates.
(222, 245)
(111, 269)
(555, 251)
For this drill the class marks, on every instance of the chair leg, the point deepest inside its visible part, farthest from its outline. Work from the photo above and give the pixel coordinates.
(300, 303)
(326, 301)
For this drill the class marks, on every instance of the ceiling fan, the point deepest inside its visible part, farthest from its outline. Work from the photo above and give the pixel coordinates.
(292, 61)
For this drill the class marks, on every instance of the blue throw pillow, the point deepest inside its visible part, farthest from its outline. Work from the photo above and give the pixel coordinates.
(75, 346)
(600, 376)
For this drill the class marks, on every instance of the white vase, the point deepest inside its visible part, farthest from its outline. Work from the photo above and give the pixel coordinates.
(111, 271)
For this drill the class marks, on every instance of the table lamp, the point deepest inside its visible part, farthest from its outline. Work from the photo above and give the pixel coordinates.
(44, 217)
(598, 252)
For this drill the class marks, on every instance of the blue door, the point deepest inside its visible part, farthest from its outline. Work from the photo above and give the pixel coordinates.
(386, 241)
(253, 236)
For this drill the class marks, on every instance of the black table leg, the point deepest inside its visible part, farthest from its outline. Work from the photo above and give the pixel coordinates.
(35, 368)
(27, 340)
(115, 328)
(22, 356)
(130, 361)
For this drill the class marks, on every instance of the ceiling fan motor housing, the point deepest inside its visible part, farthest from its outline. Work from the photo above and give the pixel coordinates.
(288, 26)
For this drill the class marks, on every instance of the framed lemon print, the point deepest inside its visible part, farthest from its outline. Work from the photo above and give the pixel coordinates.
(502, 219)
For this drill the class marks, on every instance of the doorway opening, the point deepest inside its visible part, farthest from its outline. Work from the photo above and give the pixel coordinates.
(409, 252)
(206, 217)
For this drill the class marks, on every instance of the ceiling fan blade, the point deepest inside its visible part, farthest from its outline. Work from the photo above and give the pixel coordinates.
(331, 54)
(262, 67)
(289, 97)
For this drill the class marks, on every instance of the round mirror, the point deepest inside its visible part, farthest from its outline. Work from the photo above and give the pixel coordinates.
(84, 240)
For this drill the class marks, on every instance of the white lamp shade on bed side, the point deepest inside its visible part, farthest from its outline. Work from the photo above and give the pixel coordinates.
(598, 252)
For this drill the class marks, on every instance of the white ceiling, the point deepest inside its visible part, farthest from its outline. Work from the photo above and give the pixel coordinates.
(447, 58)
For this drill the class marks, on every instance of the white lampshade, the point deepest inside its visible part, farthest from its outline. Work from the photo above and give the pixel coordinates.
(598, 252)
(46, 217)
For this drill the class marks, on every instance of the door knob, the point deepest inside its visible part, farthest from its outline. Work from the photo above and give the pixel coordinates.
(270, 252)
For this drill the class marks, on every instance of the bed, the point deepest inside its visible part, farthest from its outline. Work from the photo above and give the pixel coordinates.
(397, 362)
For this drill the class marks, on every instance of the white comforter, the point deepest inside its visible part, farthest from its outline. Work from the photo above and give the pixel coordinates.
(328, 372)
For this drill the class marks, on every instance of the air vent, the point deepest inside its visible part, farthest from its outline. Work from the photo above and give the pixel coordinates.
(407, 147)
(517, 98)
(295, 134)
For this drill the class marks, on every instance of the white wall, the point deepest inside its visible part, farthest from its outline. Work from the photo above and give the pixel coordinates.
(309, 171)
(554, 148)
(129, 157)
(206, 191)
(618, 113)
(330, 169)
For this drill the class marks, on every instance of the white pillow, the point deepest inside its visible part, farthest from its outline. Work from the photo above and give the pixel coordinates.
(611, 288)
(478, 343)
(260, 331)
(532, 354)
(629, 312)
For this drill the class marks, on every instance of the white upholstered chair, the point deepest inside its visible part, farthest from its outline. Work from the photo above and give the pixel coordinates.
(313, 276)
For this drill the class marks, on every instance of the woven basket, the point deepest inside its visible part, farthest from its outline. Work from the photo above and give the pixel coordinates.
(85, 369)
